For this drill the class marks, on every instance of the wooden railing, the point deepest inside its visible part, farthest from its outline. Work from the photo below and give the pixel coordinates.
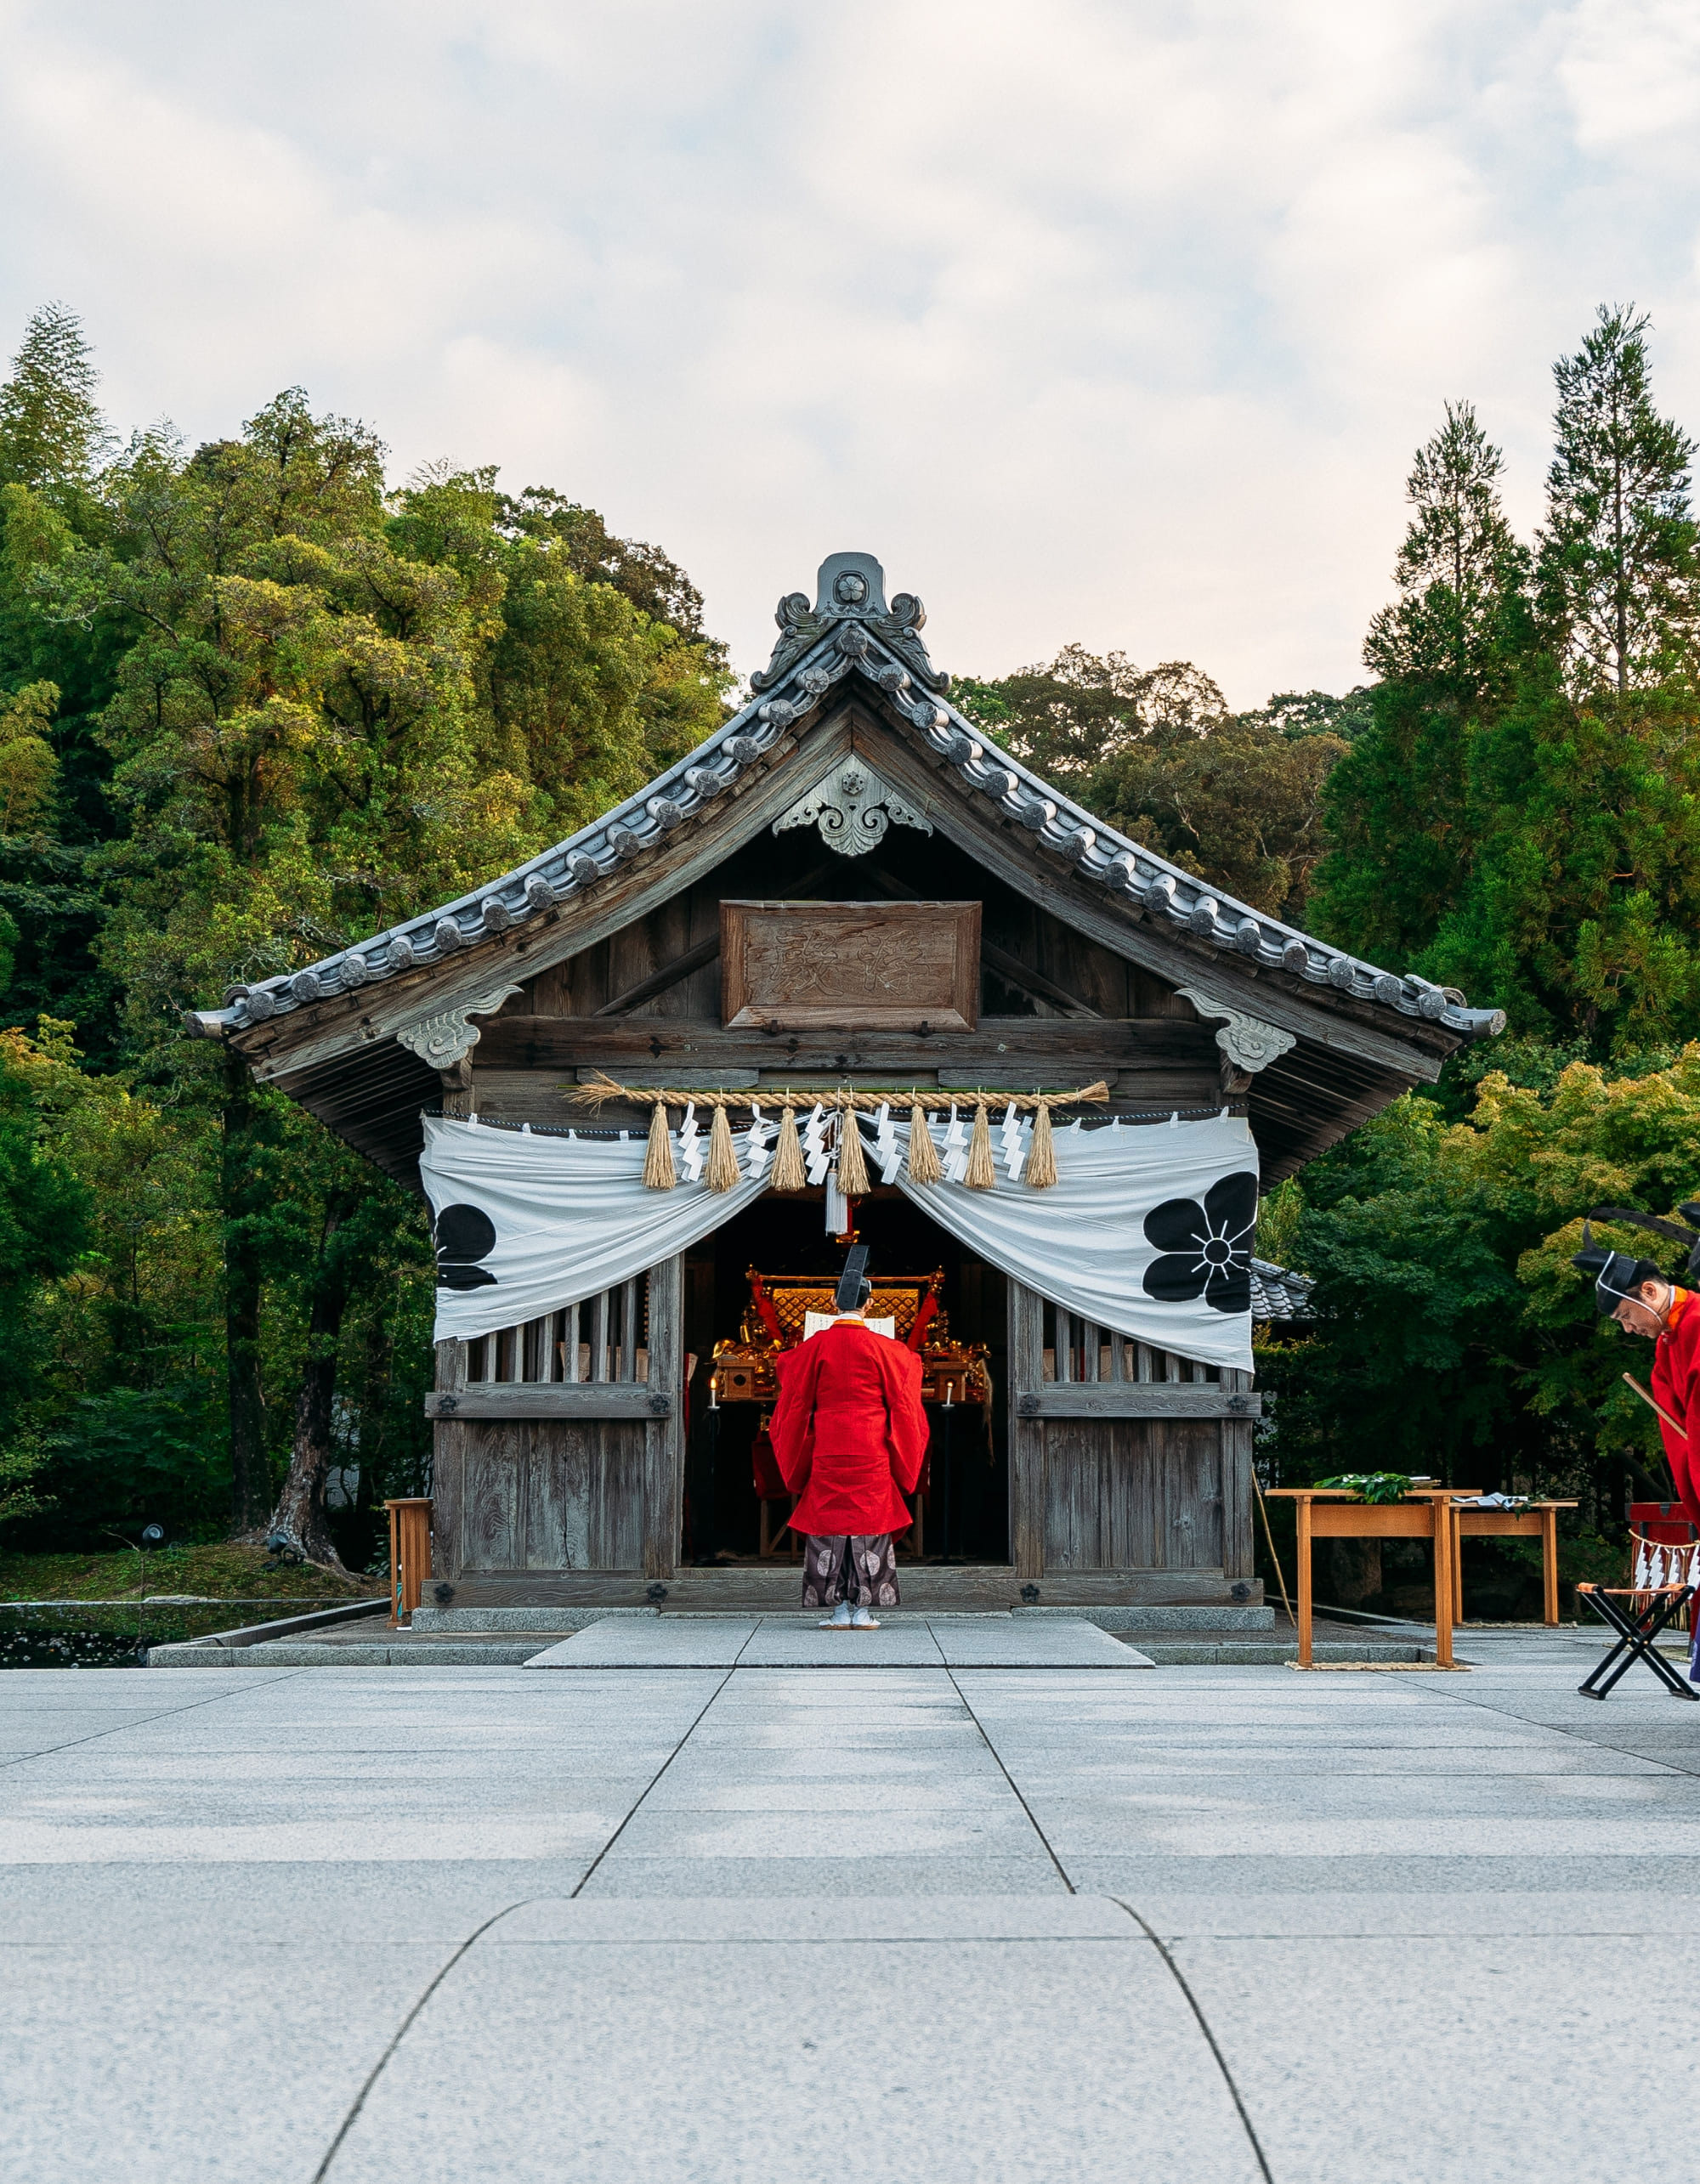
(600, 1341)
(1078, 1353)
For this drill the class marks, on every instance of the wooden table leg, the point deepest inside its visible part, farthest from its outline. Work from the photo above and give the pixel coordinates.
(1550, 1564)
(1302, 1509)
(1443, 1522)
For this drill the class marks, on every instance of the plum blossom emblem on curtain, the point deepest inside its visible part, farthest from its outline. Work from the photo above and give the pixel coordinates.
(1205, 1247)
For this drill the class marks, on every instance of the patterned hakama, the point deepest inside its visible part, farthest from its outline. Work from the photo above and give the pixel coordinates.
(862, 1569)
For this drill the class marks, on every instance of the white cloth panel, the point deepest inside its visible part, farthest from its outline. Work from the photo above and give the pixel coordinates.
(571, 1217)
(1082, 1243)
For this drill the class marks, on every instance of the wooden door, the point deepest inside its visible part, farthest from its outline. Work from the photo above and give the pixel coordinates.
(560, 1442)
(1124, 1460)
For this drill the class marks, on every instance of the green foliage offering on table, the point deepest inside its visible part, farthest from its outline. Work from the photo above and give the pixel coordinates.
(1372, 1485)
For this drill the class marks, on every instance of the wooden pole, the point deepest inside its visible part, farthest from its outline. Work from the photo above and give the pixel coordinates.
(1263, 1511)
(1302, 1510)
(1653, 1404)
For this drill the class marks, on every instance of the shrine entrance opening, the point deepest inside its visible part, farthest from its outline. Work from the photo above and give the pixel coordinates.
(735, 1509)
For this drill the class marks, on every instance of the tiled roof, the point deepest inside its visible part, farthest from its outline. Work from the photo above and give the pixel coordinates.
(1278, 1293)
(850, 636)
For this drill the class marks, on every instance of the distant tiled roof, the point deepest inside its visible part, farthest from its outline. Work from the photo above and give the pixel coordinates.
(1278, 1293)
(849, 632)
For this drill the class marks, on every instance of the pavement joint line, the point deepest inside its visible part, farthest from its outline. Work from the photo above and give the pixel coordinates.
(1015, 1790)
(400, 2033)
(1179, 1979)
(1474, 1698)
(141, 1721)
(631, 1810)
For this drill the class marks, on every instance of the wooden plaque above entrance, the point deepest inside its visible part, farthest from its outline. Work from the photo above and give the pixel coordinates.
(805, 966)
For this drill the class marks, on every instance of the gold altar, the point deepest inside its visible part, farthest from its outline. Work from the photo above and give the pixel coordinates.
(777, 1316)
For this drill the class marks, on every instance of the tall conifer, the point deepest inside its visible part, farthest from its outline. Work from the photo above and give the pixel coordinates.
(1618, 579)
(1397, 805)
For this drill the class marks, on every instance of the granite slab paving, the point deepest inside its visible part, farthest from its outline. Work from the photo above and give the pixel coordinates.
(1020, 1921)
(799, 1642)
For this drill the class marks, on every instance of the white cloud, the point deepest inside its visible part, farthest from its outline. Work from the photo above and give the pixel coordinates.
(1098, 321)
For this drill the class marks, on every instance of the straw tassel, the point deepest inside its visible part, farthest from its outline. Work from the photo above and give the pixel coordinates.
(923, 1163)
(658, 1159)
(853, 1166)
(721, 1173)
(981, 1174)
(788, 1168)
(1040, 1171)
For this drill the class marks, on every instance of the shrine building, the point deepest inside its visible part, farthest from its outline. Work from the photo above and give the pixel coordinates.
(655, 1081)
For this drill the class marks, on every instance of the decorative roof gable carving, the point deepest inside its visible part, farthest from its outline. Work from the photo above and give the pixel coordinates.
(853, 808)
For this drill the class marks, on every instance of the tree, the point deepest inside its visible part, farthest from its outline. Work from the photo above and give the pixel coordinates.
(1080, 711)
(1447, 651)
(52, 434)
(654, 582)
(44, 1213)
(297, 745)
(1241, 806)
(1616, 565)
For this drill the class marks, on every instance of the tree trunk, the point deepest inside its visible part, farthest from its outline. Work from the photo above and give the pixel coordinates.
(300, 1517)
(242, 1305)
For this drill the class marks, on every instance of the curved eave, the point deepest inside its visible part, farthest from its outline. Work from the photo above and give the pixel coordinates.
(687, 792)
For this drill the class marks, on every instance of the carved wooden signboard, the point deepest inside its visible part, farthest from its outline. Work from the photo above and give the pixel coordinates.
(802, 967)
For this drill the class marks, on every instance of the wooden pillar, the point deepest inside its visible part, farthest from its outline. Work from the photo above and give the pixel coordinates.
(664, 1440)
(1027, 1433)
(456, 1082)
(1301, 1508)
(1239, 1559)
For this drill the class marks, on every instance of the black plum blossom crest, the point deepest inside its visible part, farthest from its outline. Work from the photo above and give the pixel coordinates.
(1206, 1249)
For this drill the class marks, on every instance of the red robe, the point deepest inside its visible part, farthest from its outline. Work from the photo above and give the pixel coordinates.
(1676, 1389)
(849, 1430)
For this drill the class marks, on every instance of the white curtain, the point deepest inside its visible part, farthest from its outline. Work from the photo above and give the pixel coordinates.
(1148, 1230)
(567, 1217)
(1082, 1242)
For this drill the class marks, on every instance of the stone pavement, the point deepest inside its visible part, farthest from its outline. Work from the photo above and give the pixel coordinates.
(927, 1922)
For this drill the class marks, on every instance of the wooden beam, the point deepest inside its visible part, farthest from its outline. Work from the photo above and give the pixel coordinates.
(525, 1399)
(1100, 1044)
(658, 981)
(1136, 1399)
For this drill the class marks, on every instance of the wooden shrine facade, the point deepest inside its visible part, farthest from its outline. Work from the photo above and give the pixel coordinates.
(659, 946)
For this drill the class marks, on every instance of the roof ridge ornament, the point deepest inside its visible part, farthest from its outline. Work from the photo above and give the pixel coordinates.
(850, 590)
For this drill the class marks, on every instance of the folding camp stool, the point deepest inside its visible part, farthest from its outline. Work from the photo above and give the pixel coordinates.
(1665, 1581)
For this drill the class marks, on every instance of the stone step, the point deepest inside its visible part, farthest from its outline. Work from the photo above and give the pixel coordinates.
(446, 1621)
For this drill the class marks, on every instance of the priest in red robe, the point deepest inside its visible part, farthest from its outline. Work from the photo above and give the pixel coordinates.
(850, 1432)
(1643, 1302)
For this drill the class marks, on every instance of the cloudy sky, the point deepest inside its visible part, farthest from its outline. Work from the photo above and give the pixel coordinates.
(1108, 321)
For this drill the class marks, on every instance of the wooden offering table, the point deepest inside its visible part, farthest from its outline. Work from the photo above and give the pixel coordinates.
(1334, 1513)
(1534, 1521)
